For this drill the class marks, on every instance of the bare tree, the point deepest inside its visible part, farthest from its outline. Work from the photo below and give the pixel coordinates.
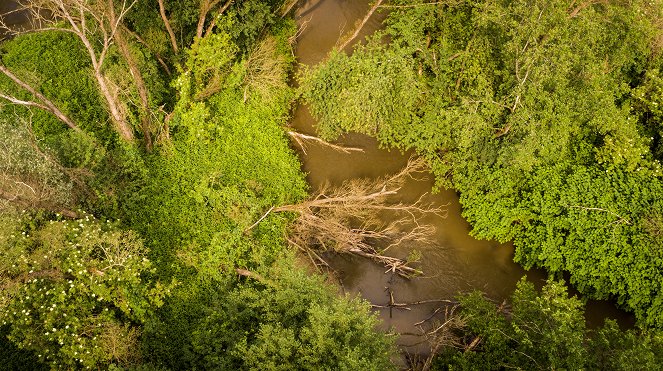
(445, 333)
(42, 103)
(96, 24)
(350, 219)
(30, 177)
(206, 6)
(169, 28)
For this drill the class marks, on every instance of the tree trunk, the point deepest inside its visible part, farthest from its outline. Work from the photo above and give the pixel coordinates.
(140, 87)
(166, 22)
(123, 128)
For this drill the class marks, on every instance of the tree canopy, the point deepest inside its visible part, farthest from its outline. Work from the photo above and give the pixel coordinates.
(541, 114)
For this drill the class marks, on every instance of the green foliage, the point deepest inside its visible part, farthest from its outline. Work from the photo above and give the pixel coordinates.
(73, 290)
(209, 59)
(250, 19)
(245, 21)
(613, 349)
(156, 81)
(56, 64)
(284, 319)
(82, 293)
(344, 88)
(546, 331)
(543, 116)
(228, 163)
(567, 207)
(648, 104)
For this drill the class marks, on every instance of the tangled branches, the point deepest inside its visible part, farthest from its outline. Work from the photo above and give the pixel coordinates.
(352, 218)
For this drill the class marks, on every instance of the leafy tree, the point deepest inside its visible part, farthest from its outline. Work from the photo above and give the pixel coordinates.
(212, 183)
(73, 290)
(280, 318)
(545, 331)
(208, 187)
(80, 292)
(541, 114)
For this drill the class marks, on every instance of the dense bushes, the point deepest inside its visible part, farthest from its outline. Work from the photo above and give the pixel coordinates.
(168, 274)
(544, 331)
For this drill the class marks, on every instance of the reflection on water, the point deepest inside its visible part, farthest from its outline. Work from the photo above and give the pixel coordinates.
(456, 262)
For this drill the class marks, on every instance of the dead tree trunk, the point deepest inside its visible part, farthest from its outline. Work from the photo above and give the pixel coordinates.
(45, 104)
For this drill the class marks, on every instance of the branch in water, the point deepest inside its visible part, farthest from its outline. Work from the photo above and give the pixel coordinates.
(361, 25)
(350, 219)
(299, 138)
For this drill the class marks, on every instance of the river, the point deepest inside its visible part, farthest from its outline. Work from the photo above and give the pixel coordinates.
(11, 17)
(455, 262)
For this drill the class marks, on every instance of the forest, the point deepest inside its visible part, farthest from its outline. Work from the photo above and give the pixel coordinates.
(154, 213)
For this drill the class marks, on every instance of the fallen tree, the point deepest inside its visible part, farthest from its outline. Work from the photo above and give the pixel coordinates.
(351, 219)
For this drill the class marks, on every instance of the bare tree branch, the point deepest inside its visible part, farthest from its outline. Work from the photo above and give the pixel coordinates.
(300, 138)
(28, 203)
(166, 22)
(350, 219)
(45, 104)
(620, 219)
(358, 28)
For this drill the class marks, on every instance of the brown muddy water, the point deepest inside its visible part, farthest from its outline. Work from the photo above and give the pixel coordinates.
(11, 17)
(455, 262)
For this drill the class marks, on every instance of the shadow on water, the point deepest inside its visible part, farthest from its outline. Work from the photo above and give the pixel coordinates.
(456, 262)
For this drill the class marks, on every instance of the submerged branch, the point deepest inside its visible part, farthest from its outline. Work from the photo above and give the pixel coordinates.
(361, 25)
(299, 138)
(351, 219)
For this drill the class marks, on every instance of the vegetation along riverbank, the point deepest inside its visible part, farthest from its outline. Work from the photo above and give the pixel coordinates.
(154, 214)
